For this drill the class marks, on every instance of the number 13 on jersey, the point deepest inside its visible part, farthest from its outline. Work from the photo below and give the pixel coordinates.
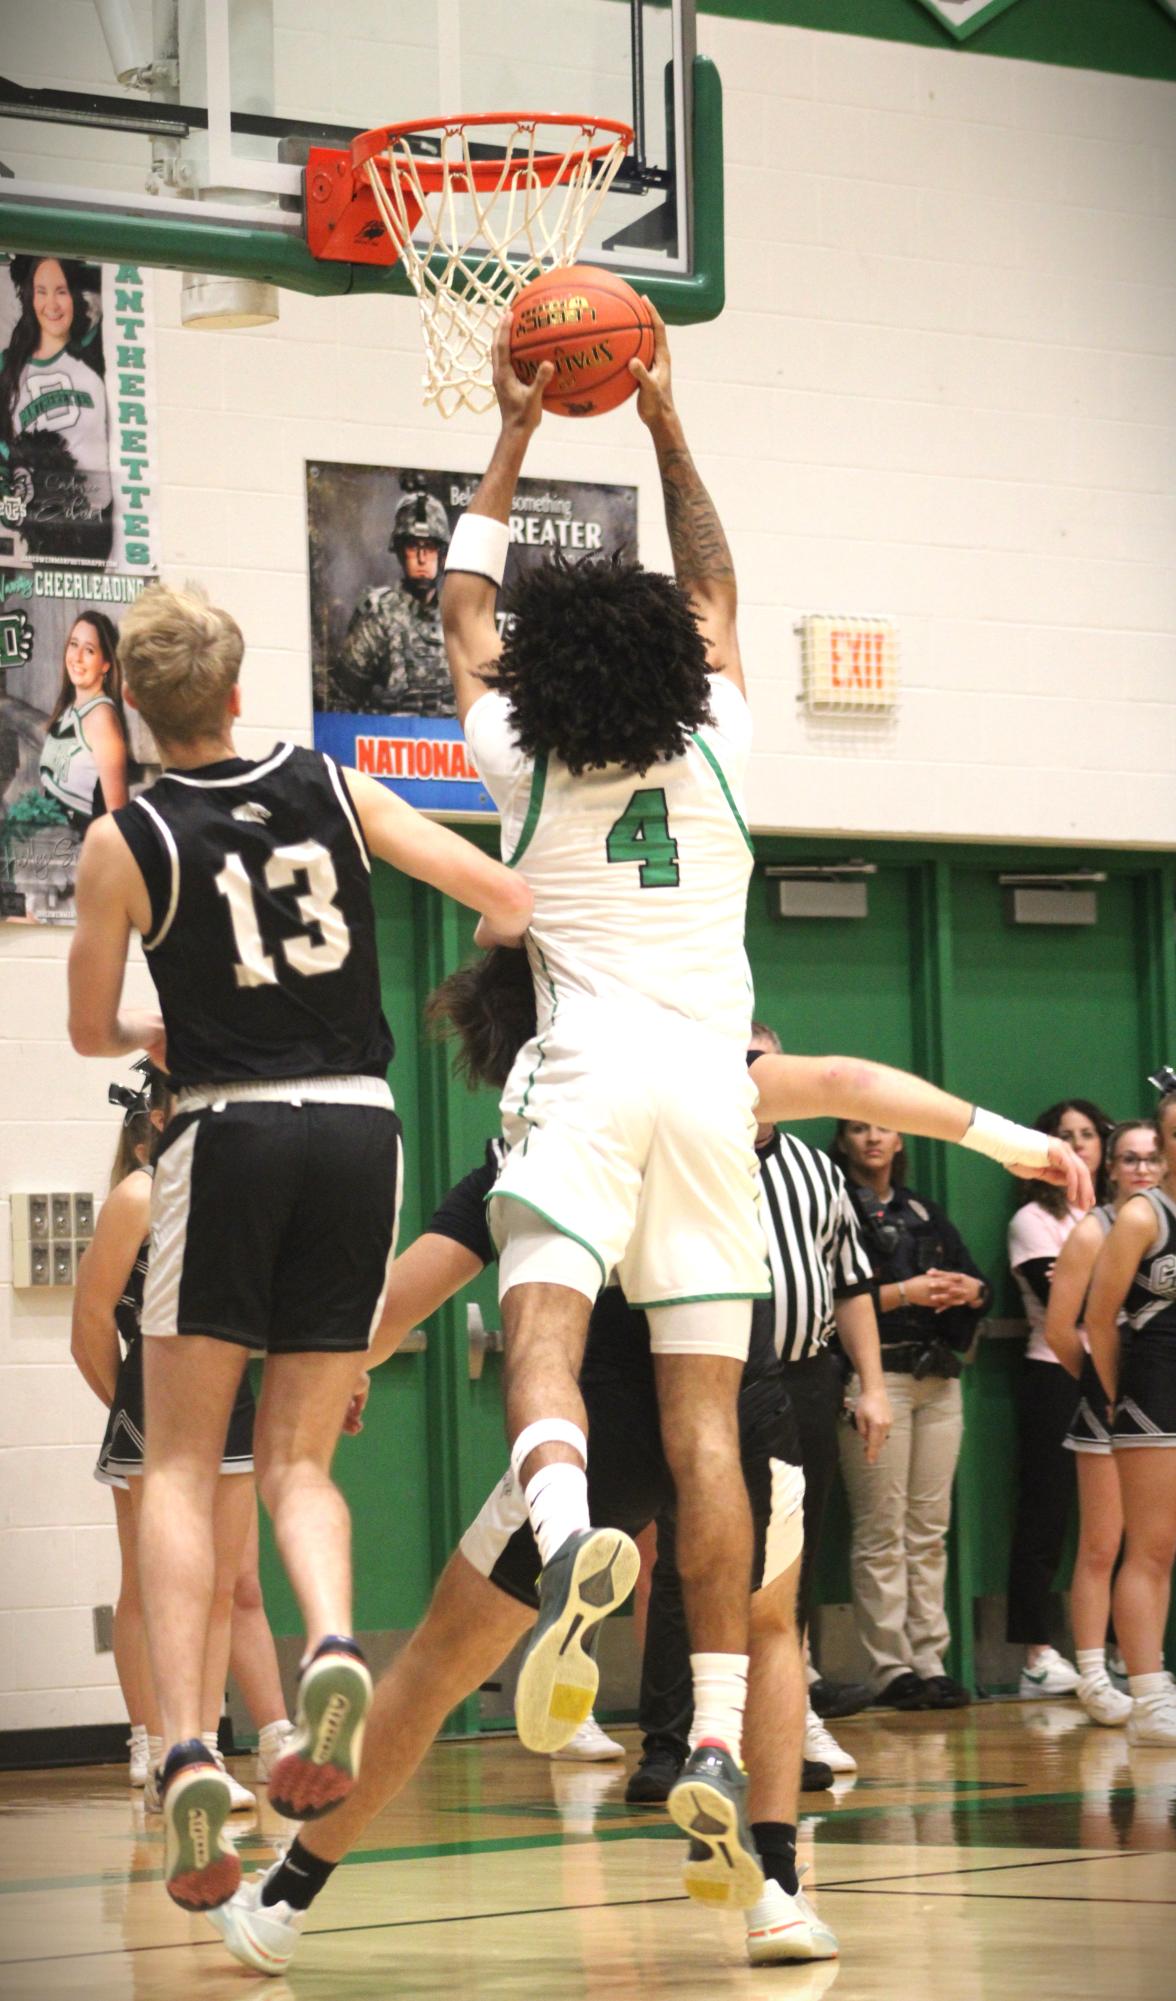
(316, 906)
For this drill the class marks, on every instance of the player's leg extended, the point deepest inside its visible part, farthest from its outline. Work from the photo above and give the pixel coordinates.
(547, 1284)
(303, 1402)
(190, 1382)
(466, 1634)
(783, 1925)
(698, 1400)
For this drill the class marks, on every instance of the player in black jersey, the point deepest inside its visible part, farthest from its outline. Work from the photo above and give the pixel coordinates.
(271, 1226)
(1136, 1277)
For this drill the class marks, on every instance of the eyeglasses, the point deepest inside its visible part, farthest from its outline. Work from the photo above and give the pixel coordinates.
(1137, 1160)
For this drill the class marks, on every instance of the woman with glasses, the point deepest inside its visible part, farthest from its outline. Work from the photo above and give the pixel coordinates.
(1047, 1401)
(931, 1295)
(1133, 1164)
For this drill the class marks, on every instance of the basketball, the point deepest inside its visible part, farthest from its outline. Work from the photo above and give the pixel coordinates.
(591, 325)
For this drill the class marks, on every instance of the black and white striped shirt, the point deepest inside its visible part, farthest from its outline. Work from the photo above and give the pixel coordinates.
(814, 1245)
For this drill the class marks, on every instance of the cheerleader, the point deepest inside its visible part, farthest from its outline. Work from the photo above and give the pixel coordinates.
(1132, 1156)
(1135, 1277)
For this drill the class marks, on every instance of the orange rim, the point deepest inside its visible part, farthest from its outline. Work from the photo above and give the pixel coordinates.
(485, 175)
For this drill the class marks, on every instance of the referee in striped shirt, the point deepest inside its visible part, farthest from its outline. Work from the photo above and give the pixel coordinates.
(821, 1285)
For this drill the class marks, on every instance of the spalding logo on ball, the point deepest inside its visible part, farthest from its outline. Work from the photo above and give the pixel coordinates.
(590, 325)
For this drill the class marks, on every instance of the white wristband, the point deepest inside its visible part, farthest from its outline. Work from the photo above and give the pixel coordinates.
(1000, 1139)
(479, 545)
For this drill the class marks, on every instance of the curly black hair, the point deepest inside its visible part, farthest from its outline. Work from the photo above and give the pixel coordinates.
(602, 663)
(488, 1009)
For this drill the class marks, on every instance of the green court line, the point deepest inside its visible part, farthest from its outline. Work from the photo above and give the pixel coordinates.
(429, 1851)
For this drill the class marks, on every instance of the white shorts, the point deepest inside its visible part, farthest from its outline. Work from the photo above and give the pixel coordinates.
(632, 1131)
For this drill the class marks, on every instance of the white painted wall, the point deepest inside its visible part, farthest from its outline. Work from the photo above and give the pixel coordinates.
(944, 388)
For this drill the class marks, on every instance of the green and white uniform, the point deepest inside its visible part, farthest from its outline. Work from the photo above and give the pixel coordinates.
(69, 768)
(631, 1114)
(66, 396)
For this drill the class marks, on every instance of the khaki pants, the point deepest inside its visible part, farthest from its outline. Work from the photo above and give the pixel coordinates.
(901, 1508)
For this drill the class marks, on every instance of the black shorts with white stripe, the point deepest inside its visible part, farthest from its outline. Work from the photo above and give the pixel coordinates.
(1145, 1412)
(273, 1224)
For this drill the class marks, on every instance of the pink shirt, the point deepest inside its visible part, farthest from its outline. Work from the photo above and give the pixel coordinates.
(1033, 1234)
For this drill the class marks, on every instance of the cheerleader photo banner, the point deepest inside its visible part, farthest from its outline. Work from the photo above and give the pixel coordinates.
(77, 415)
(69, 750)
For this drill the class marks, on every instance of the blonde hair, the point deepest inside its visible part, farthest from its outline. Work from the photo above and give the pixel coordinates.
(180, 657)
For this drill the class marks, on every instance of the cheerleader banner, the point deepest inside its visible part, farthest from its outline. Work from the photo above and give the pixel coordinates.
(68, 748)
(77, 416)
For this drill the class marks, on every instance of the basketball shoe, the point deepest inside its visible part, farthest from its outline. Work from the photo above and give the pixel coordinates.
(1103, 1702)
(137, 1746)
(1051, 1675)
(781, 1928)
(709, 1803)
(263, 1936)
(242, 1800)
(590, 1743)
(273, 1740)
(822, 1747)
(319, 1766)
(587, 1578)
(201, 1868)
(1153, 1717)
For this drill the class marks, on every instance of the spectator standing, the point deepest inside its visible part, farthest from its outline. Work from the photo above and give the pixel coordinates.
(1047, 1402)
(931, 1295)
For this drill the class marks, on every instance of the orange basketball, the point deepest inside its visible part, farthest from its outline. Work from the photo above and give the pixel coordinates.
(591, 325)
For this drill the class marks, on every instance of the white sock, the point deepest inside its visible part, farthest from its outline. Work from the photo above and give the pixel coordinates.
(720, 1696)
(557, 1502)
(154, 1751)
(1092, 1663)
(1145, 1687)
(209, 1740)
(138, 1733)
(279, 1725)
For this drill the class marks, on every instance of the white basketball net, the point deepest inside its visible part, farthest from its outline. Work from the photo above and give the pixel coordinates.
(475, 248)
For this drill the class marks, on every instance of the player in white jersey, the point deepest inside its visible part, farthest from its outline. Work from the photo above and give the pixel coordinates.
(611, 729)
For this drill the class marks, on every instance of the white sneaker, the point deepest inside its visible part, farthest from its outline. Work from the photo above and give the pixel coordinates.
(781, 1927)
(137, 1746)
(263, 1936)
(590, 1743)
(242, 1800)
(274, 1739)
(1153, 1717)
(1102, 1701)
(1051, 1675)
(822, 1748)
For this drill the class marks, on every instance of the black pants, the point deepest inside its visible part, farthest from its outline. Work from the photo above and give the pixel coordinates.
(666, 1703)
(1046, 1488)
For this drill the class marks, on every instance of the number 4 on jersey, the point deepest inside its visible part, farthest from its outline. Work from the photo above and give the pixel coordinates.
(642, 834)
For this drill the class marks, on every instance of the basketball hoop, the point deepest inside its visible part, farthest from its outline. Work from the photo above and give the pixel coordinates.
(487, 223)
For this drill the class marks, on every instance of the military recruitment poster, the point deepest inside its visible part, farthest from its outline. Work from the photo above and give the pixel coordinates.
(378, 540)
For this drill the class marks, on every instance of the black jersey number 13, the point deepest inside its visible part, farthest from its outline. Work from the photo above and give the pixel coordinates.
(316, 906)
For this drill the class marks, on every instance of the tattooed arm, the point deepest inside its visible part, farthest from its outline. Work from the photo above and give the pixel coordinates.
(702, 559)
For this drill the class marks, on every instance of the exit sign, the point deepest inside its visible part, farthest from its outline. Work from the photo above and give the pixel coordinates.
(849, 663)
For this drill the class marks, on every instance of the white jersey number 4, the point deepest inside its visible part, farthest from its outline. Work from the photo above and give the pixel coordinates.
(316, 906)
(642, 834)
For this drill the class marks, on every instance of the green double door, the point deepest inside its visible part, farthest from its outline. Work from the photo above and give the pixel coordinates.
(935, 979)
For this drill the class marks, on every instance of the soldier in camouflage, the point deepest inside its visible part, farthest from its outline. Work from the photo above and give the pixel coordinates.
(392, 660)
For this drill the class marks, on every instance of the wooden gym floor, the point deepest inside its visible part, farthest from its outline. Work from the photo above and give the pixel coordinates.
(1008, 1850)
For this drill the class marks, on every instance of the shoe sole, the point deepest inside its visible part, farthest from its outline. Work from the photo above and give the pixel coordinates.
(200, 1871)
(731, 1875)
(318, 1771)
(558, 1678)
